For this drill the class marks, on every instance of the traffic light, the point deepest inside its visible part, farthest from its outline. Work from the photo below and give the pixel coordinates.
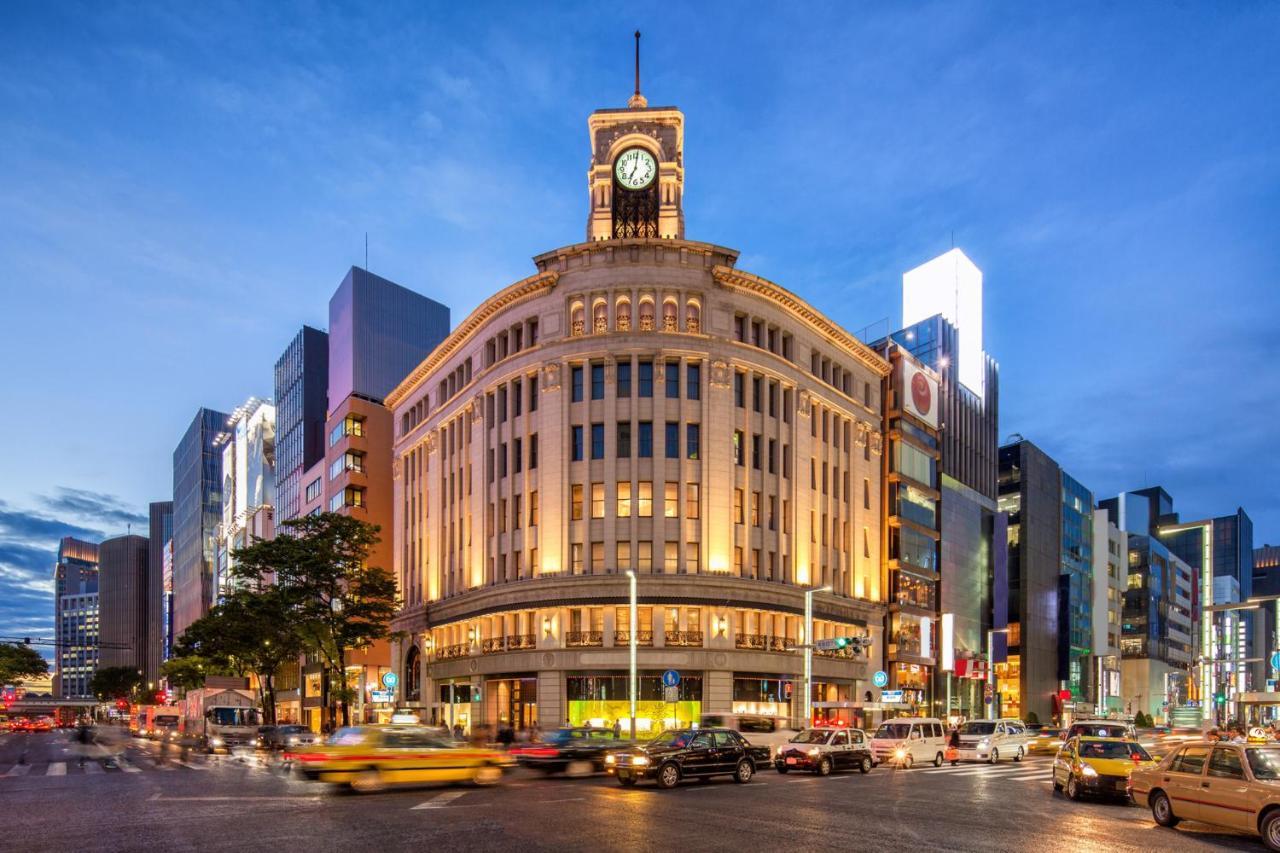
(1220, 697)
(475, 693)
(835, 644)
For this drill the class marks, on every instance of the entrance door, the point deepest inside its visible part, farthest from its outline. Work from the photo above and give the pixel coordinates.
(1183, 779)
(1226, 800)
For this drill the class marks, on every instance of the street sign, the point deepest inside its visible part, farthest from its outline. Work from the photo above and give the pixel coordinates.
(891, 697)
(1275, 660)
(390, 680)
(380, 695)
(671, 694)
(880, 679)
(670, 678)
(988, 693)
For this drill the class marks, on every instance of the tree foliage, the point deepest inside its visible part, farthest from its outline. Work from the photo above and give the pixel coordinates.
(19, 662)
(116, 682)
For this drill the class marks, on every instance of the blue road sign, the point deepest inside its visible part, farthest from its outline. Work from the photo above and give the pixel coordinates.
(390, 680)
(880, 679)
(670, 678)
(1275, 660)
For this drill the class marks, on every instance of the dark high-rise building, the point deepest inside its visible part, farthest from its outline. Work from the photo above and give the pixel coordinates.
(124, 629)
(160, 531)
(197, 511)
(75, 617)
(301, 383)
(1266, 570)
(1075, 587)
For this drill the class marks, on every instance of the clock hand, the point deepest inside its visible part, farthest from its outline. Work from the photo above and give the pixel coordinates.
(634, 166)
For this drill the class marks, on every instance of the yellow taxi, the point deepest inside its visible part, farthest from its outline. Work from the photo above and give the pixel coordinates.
(1044, 740)
(1098, 766)
(369, 758)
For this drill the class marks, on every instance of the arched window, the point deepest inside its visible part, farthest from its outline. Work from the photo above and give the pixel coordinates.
(646, 315)
(576, 324)
(600, 317)
(670, 323)
(623, 315)
(693, 317)
(413, 675)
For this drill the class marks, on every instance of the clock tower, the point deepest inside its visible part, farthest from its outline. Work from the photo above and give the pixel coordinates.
(636, 177)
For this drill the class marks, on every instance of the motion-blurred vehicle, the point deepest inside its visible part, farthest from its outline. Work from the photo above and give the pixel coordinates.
(370, 758)
(43, 724)
(757, 729)
(1044, 741)
(824, 750)
(681, 754)
(289, 737)
(991, 740)
(221, 719)
(1098, 766)
(1225, 784)
(573, 750)
(1100, 728)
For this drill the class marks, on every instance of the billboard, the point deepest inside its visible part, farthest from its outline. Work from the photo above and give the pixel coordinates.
(919, 392)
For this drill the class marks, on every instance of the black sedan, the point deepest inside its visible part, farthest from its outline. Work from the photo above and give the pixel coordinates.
(688, 754)
(576, 751)
(824, 750)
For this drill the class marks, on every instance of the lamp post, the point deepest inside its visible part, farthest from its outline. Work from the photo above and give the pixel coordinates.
(808, 652)
(991, 668)
(632, 679)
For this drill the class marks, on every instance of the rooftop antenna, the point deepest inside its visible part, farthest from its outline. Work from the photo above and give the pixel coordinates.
(637, 100)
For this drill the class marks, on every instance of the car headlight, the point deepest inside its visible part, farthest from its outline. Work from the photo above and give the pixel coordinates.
(640, 760)
(611, 759)
(291, 739)
(986, 741)
(900, 753)
(215, 741)
(814, 752)
(1088, 771)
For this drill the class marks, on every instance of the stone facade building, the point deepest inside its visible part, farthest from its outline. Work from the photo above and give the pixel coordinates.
(641, 404)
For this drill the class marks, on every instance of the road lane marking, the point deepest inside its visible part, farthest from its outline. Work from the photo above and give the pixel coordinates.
(440, 801)
(58, 768)
(159, 798)
(126, 766)
(19, 770)
(190, 766)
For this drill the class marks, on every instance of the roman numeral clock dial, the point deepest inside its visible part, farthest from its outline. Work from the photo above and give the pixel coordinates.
(635, 169)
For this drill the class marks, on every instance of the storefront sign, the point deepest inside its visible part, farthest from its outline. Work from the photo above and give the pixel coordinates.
(890, 697)
(880, 679)
(919, 393)
(380, 695)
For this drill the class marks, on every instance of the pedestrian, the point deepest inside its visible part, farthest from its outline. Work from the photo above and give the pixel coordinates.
(458, 733)
(953, 747)
(617, 729)
(506, 737)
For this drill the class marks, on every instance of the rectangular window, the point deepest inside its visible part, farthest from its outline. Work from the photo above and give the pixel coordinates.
(575, 382)
(692, 557)
(516, 516)
(671, 558)
(517, 455)
(646, 379)
(502, 515)
(673, 380)
(773, 456)
(737, 561)
(671, 500)
(575, 558)
(533, 508)
(672, 442)
(644, 556)
(533, 393)
(502, 460)
(575, 502)
(597, 382)
(866, 493)
(773, 512)
(576, 450)
(517, 398)
(786, 516)
(313, 489)
(597, 558)
(624, 439)
(645, 441)
(693, 381)
(533, 451)
(644, 499)
(597, 500)
(773, 399)
(755, 452)
(597, 441)
(737, 506)
(755, 509)
(622, 558)
(738, 450)
(757, 397)
(624, 378)
(739, 379)
(692, 440)
(691, 500)
(624, 499)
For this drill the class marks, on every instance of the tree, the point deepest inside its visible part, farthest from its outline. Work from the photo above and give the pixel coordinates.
(116, 682)
(186, 672)
(338, 602)
(19, 662)
(1032, 718)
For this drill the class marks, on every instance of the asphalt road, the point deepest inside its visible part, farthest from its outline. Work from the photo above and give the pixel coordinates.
(50, 802)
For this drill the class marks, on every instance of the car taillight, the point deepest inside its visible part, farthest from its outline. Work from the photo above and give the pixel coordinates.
(541, 752)
(309, 756)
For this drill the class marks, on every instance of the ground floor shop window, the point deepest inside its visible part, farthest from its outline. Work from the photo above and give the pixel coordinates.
(602, 700)
(762, 694)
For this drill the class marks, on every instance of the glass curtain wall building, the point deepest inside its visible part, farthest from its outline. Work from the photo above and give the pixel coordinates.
(1075, 589)
(160, 532)
(75, 593)
(197, 511)
(301, 392)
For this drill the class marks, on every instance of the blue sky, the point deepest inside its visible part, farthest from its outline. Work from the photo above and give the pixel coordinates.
(182, 186)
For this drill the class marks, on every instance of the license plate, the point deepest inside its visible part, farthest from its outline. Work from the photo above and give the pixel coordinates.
(791, 761)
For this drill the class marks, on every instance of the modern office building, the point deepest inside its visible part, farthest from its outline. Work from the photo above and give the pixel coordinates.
(197, 511)
(638, 404)
(248, 447)
(942, 317)
(301, 393)
(1110, 577)
(75, 586)
(160, 532)
(1050, 576)
(123, 608)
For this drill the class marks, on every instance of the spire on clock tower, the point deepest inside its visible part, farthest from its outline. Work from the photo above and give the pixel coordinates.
(636, 179)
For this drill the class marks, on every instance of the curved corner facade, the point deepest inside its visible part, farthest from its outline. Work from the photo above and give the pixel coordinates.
(638, 404)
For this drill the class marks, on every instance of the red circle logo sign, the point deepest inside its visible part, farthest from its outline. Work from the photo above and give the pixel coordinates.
(921, 394)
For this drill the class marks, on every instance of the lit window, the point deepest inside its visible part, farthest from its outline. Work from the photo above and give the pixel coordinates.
(624, 499)
(597, 500)
(644, 503)
(575, 502)
(671, 500)
(623, 556)
(671, 557)
(691, 500)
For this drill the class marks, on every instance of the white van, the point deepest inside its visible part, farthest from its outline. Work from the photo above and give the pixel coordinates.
(992, 740)
(758, 729)
(909, 740)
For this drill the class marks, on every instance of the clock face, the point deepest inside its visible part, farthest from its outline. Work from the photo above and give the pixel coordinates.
(635, 168)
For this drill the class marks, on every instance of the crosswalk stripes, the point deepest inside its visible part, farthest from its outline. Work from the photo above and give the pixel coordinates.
(19, 770)
(58, 768)
(92, 767)
(124, 765)
(119, 764)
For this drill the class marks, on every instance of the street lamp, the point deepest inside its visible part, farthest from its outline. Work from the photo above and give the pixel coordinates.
(632, 679)
(808, 652)
(991, 668)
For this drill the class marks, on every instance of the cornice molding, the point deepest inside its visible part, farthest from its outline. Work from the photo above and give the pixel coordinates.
(511, 295)
(745, 282)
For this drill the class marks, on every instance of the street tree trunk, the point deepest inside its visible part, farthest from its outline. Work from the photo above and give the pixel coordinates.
(342, 675)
